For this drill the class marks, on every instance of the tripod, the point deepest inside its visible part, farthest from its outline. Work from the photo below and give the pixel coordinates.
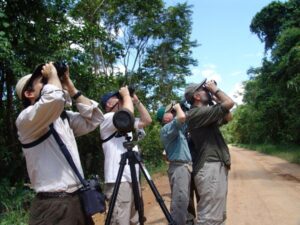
(134, 158)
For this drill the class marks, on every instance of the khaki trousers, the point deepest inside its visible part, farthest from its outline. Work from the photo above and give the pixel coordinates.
(124, 210)
(180, 179)
(211, 182)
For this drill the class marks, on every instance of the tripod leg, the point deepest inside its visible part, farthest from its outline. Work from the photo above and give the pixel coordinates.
(156, 194)
(116, 189)
(135, 188)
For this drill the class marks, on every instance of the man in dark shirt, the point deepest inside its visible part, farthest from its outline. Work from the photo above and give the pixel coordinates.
(211, 160)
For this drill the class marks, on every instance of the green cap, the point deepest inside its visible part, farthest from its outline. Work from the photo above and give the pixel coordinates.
(160, 113)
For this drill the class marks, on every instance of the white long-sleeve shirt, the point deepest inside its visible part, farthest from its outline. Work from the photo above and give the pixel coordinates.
(47, 167)
(113, 149)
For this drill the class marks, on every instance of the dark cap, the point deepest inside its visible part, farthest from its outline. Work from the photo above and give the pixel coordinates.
(191, 89)
(106, 97)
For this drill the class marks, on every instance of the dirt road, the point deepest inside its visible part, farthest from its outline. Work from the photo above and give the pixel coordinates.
(263, 190)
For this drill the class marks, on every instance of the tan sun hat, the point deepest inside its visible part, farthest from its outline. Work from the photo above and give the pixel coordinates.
(21, 84)
(191, 89)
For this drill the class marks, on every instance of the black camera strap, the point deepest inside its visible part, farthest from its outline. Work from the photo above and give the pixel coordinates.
(38, 141)
(62, 147)
(63, 116)
(108, 138)
(67, 155)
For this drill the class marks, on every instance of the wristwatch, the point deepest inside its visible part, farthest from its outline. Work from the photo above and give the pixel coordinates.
(77, 95)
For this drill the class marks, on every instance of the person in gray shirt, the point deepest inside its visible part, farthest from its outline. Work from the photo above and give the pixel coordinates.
(179, 157)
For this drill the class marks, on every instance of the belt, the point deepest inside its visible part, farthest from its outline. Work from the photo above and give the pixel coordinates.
(63, 194)
(188, 165)
(181, 162)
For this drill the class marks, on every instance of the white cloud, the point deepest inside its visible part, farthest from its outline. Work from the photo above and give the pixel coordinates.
(119, 68)
(76, 23)
(77, 47)
(237, 93)
(208, 71)
(211, 74)
(196, 76)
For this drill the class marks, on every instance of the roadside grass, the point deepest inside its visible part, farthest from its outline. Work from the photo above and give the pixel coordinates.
(15, 217)
(290, 153)
(160, 169)
(15, 202)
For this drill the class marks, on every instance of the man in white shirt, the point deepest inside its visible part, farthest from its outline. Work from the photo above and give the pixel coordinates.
(124, 210)
(57, 201)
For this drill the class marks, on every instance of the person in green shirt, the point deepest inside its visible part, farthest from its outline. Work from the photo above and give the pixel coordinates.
(211, 160)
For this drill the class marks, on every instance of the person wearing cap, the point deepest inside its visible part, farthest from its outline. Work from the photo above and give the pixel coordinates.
(124, 210)
(172, 135)
(211, 160)
(56, 185)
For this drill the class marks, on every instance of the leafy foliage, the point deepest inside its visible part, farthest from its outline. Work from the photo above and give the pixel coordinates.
(15, 202)
(272, 105)
(107, 44)
(151, 147)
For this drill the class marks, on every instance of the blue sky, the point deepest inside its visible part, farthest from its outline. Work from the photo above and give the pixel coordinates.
(228, 48)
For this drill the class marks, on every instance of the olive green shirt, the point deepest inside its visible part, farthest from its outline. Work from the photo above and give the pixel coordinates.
(209, 145)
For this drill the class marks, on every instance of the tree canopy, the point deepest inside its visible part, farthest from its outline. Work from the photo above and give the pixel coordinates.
(106, 44)
(272, 95)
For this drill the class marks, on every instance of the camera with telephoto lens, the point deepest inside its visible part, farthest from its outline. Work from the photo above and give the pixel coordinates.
(61, 67)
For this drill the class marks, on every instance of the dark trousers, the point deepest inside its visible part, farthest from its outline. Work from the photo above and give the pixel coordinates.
(57, 211)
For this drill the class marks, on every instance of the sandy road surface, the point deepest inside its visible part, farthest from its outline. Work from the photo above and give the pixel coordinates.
(263, 190)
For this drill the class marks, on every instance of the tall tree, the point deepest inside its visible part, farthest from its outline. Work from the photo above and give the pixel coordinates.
(272, 94)
(30, 33)
(144, 42)
(106, 43)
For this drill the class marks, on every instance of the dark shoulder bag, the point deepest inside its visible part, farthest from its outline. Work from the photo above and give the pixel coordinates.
(92, 198)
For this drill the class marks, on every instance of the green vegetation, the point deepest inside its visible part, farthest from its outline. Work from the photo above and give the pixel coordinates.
(272, 95)
(269, 121)
(290, 153)
(106, 44)
(15, 202)
(145, 43)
